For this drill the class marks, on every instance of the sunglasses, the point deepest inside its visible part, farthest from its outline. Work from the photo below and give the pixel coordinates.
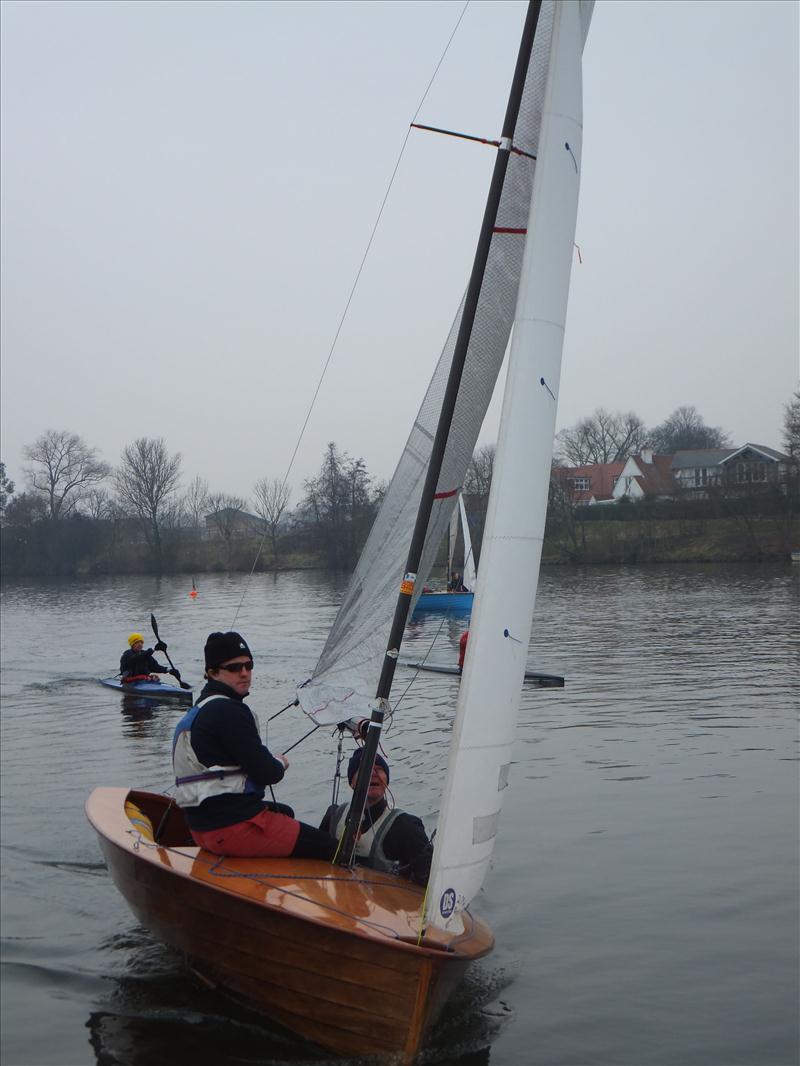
(236, 668)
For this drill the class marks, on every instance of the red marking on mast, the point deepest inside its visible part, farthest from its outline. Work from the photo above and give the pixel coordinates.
(444, 495)
(508, 229)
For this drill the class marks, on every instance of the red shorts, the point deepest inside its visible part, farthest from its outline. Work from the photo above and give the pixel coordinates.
(268, 834)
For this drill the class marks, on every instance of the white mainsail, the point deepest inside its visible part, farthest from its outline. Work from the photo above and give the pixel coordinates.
(344, 681)
(470, 576)
(460, 515)
(489, 695)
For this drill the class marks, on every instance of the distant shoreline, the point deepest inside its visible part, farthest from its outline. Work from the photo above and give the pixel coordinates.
(630, 537)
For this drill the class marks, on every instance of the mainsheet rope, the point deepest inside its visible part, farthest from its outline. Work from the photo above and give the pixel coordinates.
(352, 293)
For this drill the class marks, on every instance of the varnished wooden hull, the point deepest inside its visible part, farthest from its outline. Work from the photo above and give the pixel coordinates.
(329, 953)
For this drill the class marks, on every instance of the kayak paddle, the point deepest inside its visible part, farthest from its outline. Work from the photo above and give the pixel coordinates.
(154, 624)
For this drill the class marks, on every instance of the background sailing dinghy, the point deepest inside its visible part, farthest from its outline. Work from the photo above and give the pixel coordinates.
(158, 690)
(311, 942)
(542, 680)
(454, 602)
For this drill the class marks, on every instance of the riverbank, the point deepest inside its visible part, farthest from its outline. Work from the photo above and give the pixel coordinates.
(586, 538)
(680, 540)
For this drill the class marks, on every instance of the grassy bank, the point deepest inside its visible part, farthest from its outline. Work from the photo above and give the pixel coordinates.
(707, 540)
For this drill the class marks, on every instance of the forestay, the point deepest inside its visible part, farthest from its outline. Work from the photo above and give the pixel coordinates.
(489, 694)
(344, 681)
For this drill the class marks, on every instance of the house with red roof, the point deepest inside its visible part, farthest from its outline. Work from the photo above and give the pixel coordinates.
(645, 476)
(663, 477)
(589, 484)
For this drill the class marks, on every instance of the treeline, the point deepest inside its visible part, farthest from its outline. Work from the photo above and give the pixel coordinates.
(613, 436)
(77, 514)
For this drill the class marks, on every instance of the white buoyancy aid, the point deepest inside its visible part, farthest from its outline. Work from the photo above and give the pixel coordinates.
(194, 781)
(370, 844)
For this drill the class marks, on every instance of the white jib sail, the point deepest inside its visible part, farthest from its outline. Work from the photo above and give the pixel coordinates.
(469, 559)
(489, 696)
(451, 550)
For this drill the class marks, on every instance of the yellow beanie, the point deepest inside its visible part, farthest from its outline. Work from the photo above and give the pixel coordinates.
(134, 637)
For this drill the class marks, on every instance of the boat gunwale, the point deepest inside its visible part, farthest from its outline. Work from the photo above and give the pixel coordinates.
(123, 833)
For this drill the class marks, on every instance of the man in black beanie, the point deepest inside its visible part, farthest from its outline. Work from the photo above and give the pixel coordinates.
(222, 768)
(389, 839)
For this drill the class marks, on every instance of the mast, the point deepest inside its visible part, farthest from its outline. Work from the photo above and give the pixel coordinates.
(406, 593)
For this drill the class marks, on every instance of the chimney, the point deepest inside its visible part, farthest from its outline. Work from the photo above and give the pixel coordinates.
(647, 455)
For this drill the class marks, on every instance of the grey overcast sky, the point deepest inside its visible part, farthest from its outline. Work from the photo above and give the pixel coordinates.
(188, 188)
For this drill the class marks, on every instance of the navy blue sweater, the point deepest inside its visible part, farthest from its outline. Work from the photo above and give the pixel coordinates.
(225, 734)
(133, 663)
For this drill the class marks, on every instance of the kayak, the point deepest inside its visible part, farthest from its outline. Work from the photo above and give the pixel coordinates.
(542, 680)
(155, 689)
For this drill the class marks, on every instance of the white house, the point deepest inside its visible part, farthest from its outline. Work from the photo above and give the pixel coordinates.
(645, 475)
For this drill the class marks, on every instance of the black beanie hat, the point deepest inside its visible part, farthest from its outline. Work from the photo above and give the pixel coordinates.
(355, 762)
(223, 646)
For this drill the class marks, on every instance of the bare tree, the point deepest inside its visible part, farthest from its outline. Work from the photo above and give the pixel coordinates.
(195, 502)
(476, 485)
(603, 437)
(271, 500)
(62, 469)
(791, 426)
(98, 504)
(479, 472)
(685, 429)
(227, 512)
(146, 481)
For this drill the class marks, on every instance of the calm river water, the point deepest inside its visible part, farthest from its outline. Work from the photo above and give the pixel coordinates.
(644, 895)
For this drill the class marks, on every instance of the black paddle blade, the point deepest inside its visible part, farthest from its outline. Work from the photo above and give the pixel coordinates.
(154, 624)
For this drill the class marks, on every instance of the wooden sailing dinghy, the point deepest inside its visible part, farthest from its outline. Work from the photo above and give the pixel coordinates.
(275, 930)
(302, 940)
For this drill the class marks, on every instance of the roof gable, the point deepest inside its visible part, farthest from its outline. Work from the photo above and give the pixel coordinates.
(762, 450)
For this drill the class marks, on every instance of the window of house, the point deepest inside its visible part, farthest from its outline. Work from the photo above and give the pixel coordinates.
(751, 471)
(580, 484)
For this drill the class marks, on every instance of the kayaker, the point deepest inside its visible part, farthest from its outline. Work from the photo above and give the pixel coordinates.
(390, 839)
(138, 662)
(222, 768)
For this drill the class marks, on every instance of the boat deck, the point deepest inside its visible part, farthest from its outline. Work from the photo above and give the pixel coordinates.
(359, 901)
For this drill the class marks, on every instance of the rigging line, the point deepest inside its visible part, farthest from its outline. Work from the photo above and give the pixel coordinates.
(372, 235)
(352, 294)
(417, 672)
(300, 741)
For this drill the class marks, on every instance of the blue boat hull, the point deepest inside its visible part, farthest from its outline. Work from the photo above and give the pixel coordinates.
(454, 602)
(154, 689)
